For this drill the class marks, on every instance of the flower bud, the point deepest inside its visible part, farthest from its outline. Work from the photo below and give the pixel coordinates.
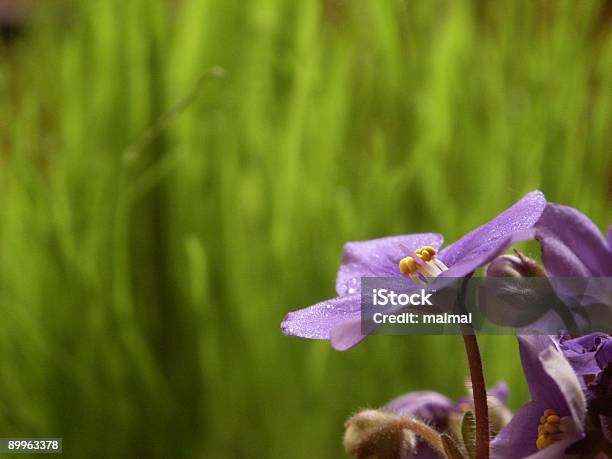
(514, 293)
(377, 434)
(499, 414)
(518, 265)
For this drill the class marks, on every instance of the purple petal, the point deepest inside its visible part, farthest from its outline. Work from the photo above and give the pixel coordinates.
(541, 386)
(555, 451)
(603, 355)
(317, 321)
(518, 438)
(559, 260)
(585, 352)
(479, 243)
(484, 255)
(500, 392)
(572, 245)
(428, 406)
(378, 258)
(347, 334)
(558, 368)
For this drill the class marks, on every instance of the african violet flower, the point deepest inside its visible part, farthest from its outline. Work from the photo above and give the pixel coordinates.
(555, 417)
(414, 256)
(560, 421)
(408, 426)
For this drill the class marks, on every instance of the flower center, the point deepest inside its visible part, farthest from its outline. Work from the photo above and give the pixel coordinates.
(553, 428)
(422, 266)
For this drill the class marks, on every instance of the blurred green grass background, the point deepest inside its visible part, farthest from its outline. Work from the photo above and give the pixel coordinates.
(146, 263)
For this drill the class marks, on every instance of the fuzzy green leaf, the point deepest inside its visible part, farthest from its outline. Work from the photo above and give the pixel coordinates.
(468, 432)
(452, 450)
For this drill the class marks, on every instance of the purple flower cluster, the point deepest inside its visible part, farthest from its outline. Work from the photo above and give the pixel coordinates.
(338, 319)
(569, 378)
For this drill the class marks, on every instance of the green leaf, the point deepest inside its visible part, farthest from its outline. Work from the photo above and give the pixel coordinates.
(451, 448)
(468, 432)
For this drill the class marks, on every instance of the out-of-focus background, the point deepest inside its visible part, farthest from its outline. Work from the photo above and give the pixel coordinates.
(175, 176)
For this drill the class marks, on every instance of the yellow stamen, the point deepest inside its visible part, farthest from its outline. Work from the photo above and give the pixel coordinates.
(426, 253)
(548, 430)
(408, 266)
(544, 442)
(553, 419)
(429, 266)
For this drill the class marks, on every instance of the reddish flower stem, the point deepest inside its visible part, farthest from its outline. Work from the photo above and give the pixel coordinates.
(479, 391)
(479, 387)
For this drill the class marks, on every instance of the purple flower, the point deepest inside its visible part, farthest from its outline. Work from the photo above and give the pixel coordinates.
(572, 245)
(436, 409)
(414, 256)
(443, 414)
(554, 419)
(431, 407)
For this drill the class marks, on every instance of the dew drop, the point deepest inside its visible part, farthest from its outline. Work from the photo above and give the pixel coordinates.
(351, 285)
